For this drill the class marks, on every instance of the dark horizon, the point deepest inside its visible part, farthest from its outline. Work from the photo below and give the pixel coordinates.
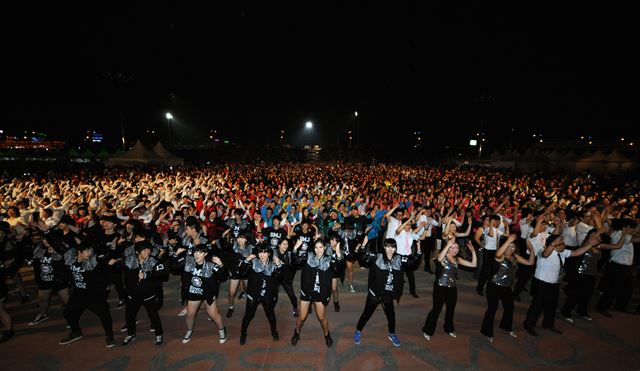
(251, 72)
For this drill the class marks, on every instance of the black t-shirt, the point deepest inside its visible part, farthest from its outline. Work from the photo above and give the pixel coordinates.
(306, 238)
(273, 236)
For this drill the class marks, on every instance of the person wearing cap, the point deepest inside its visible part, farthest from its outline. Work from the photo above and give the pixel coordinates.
(315, 284)
(385, 283)
(5, 318)
(239, 251)
(545, 285)
(90, 290)
(204, 275)
(143, 276)
(49, 272)
(263, 270)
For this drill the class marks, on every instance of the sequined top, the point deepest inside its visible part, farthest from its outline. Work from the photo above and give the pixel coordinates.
(589, 263)
(449, 274)
(506, 273)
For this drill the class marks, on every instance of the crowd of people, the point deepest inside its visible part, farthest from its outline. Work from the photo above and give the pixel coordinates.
(253, 227)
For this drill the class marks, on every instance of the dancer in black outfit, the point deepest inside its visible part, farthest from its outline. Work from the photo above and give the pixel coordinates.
(285, 255)
(50, 274)
(204, 275)
(499, 287)
(315, 281)
(385, 283)
(4, 291)
(444, 288)
(263, 273)
(143, 276)
(90, 291)
(240, 249)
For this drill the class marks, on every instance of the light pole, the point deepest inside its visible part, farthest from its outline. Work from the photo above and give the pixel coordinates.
(357, 130)
(170, 118)
(308, 126)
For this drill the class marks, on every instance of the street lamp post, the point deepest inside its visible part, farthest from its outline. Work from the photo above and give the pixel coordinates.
(308, 126)
(170, 118)
(357, 130)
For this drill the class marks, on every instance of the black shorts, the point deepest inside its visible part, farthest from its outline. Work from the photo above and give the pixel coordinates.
(237, 276)
(54, 286)
(198, 297)
(314, 297)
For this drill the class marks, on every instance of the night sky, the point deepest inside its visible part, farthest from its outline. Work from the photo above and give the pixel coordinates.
(249, 71)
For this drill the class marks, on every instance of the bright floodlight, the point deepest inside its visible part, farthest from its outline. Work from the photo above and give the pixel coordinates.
(169, 116)
(473, 142)
(309, 125)
(356, 113)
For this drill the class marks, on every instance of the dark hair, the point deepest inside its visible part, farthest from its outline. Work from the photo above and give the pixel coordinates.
(84, 246)
(552, 238)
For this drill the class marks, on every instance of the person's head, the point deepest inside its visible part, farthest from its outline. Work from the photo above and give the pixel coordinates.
(319, 247)
(453, 250)
(276, 222)
(494, 220)
(143, 249)
(264, 253)
(390, 248)
(109, 222)
(65, 222)
(556, 241)
(453, 227)
(511, 248)
(333, 240)
(84, 250)
(592, 237)
(305, 225)
(192, 230)
(399, 213)
(242, 238)
(200, 252)
(237, 214)
(284, 245)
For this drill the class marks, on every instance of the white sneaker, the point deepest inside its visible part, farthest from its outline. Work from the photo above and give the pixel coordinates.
(41, 317)
(453, 335)
(568, 319)
(513, 334)
(223, 335)
(351, 289)
(490, 339)
(187, 337)
(428, 337)
(183, 312)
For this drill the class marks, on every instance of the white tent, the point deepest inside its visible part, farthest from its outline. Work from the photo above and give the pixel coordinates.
(167, 157)
(595, 162)
(137, 155)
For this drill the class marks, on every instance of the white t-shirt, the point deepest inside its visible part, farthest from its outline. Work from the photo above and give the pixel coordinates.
(525, 228)
(404, 241)
(569, 236)
(491, 243)
(581, 231)
(548, 269)
(392, 225)
(623, 255)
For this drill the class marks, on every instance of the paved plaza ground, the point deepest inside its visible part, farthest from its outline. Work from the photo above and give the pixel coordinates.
(604, 343)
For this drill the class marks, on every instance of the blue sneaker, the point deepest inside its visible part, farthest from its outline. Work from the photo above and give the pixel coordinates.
(394, 340)
(356, 337)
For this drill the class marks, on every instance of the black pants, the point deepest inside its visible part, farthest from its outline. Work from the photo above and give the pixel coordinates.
(488, 270)
(495, 294)
(441, 296)
(619, 287)
(429, 247)
(250, 312)
(524, 274)
(370, 307)
(151, 305)
(116, 279)
(96, 304)
(287, 284)
(412, 280)
(545, 299)
(579, 292)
